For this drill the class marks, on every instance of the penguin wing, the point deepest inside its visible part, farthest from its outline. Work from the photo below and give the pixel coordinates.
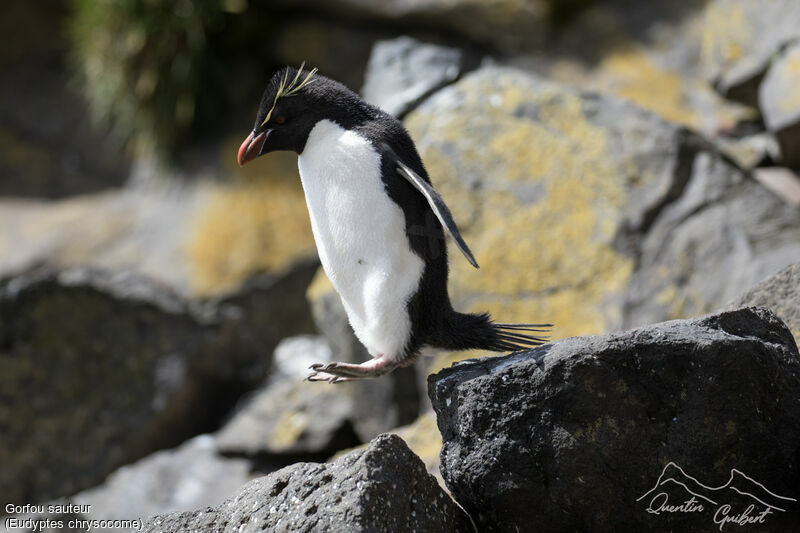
(436, 202)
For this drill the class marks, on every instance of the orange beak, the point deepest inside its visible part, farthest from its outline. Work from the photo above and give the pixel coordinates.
(251, 147)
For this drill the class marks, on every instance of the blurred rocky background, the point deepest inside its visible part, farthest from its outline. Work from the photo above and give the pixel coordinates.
(612, 164)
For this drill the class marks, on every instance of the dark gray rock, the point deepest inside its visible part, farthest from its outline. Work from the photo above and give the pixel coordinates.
(403, 71)
(382, 488)
(779, 101)
(780, 293)
(570, 436)
(99, 369)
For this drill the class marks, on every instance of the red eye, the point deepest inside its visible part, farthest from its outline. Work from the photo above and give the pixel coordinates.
(280, 120)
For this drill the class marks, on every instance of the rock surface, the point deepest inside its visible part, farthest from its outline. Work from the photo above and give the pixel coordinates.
(423, 438)
(181, 232)
(505, 25)
(190, 476)
(779, 101)
(403, 71)
(647, 54)
(721, 221)
(293, 356)
(114, 366)
(781, 181)
(382, 488)
(781, 294)
(291, 417)
(185, 478)
(589, 212)
(741, 37)
(571, 435)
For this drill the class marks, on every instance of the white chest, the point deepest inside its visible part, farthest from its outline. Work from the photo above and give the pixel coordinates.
(360, 236)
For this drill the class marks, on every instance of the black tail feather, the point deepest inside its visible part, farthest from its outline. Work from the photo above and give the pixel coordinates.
(526, 327)
(468, 331)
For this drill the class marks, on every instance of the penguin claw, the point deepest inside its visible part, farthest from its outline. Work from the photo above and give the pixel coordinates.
(330, 378)
(349, 371)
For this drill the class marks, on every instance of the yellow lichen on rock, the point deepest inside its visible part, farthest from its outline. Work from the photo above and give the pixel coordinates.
(635, 77)
(422, 437)
(546, 255)
(680, 301)
(726, 34)
(258, 223)
(288, 429)
(632, 73)
(789, 101)
(319, 287)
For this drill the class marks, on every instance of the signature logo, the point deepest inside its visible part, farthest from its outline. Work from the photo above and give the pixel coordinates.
(741, 501)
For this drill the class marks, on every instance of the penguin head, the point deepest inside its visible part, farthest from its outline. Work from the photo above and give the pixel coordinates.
(293, 102)
(285, 116)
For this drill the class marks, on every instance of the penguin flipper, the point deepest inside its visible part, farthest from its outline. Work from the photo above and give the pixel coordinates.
(437, 205)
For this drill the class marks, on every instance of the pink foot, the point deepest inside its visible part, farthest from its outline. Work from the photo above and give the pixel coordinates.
(349, 371)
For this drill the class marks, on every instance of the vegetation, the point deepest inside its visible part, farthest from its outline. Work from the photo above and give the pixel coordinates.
(144, 64)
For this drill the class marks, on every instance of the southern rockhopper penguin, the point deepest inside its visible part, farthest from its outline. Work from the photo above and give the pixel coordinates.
(378, 225)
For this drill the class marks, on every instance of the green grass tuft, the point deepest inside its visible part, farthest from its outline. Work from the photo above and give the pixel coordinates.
(142, 64)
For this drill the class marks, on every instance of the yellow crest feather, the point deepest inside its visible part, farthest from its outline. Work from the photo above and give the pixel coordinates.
(291, 88)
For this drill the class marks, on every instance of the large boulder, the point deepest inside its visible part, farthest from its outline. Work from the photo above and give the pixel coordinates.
(589, 212)
(382, 488)
(585, 434)
(114, 366)
(780, 293)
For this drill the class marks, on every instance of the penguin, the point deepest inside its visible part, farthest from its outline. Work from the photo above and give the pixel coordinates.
(378, 224)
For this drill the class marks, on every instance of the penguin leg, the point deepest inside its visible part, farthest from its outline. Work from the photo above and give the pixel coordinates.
(373, 368)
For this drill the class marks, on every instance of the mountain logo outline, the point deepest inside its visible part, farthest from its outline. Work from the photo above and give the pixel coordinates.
(701, 490)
